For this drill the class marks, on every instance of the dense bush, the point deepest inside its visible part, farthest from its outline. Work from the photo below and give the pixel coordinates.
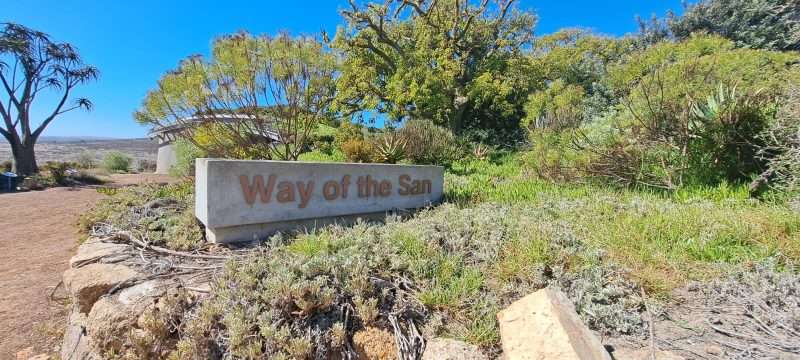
(345, 132)
(448, 269)
(759, 24)
(6, 165)
(558, 107)
(358, 150)
(427, 143)
(163, 214)
(782, 145)
(690, 113)
(57, 171)
(185, 154)
(116, 161)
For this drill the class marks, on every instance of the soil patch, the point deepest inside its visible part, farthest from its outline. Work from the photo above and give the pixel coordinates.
(37, 239)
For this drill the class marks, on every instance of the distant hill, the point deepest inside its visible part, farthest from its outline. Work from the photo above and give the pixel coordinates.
(76, 139)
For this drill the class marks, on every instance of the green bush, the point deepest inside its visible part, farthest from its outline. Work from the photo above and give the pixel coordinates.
(185, 154)
(690, 113)
(427, 143)
(345, 132)
(116, 161)
(319, 156)
(560, 106)
(57, 171)
(781, 146)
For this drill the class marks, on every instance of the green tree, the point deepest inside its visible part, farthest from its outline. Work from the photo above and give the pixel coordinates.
(449, 61)
(32, 64)
(277, 88)
(758, 24)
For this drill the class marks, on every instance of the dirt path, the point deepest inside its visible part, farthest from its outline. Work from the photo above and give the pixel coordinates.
(37, 237)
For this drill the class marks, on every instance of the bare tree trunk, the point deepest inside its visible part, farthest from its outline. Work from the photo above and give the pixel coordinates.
(24, 159)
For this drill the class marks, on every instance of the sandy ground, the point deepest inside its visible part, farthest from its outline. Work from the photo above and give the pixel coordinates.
(38, 235)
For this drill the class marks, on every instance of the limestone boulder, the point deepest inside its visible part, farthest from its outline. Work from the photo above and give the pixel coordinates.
(75, 345)
(95, 249)
(544, 325)
(86, 284)
(110, 321)
(449, 349)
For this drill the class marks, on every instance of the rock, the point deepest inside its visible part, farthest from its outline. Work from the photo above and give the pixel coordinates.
(643, 354)
(714, 350)
(27, 354)
(24, 354)
(374, 344)
(93, 249)
(138, 292)
(544, 325)
(449, 349)
(75, 345)
(109, 322)
(40, 357)
(88, 283)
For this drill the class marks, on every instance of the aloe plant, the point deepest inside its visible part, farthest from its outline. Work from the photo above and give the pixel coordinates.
(390, 149)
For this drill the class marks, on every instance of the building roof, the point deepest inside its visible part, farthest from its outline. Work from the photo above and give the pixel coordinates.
(183, 124)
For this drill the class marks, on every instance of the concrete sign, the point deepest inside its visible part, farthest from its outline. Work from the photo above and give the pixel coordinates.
(241, 200)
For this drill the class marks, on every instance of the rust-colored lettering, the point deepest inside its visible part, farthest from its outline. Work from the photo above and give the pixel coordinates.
(345, 186)
(405, 187)
(330, 190)
(305, 194)
(385, 188)
(256, 189)
(426, 186)
(285, 192)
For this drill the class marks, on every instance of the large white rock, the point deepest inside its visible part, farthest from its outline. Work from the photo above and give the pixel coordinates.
(239, 200)
(86, 284)
(543, 326)
(449, 349)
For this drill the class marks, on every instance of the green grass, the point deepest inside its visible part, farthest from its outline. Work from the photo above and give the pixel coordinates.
(664, 238)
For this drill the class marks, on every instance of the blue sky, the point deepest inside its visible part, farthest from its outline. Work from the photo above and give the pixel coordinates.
(134, 42)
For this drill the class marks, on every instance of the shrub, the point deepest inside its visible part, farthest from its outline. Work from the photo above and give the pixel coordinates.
(358, 150)
(427, 143)
(145, 165)
(116, 161)
(560, 106)
(6, 165)
(85, 160)
(781, 149)
(761, 24)
(323, 138)
(319, 156)
(690, 113)
(462, 264)
(345, 132)
(185, 154)
(57, 171)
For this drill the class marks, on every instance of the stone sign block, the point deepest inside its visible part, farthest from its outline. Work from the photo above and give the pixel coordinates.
(242, 200)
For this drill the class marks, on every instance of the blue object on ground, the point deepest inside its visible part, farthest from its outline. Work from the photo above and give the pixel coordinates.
(8, 181)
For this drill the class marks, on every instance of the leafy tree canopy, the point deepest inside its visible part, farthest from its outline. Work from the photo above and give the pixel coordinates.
(277, 87)
(447, 60)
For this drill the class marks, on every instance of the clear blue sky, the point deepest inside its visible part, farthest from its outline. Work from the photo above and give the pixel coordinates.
(134, 42)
